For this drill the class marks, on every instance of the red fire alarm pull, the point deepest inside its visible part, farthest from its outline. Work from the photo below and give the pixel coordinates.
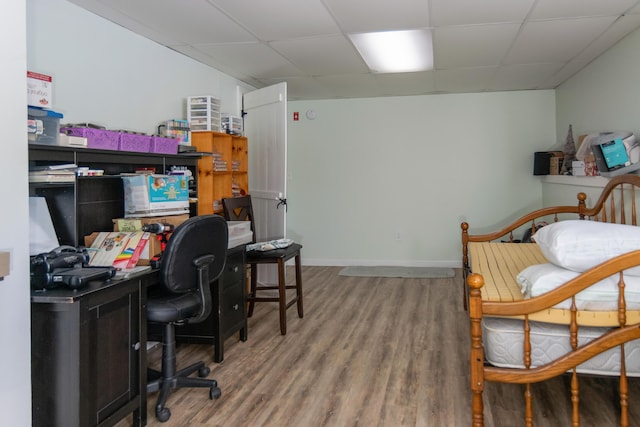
(296, 116)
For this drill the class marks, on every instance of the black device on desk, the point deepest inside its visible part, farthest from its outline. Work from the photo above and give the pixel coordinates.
(65, 265)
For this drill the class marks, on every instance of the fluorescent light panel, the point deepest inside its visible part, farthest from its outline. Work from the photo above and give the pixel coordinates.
(395, 51)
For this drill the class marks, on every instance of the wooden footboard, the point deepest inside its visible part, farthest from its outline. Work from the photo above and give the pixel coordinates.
(617, 336)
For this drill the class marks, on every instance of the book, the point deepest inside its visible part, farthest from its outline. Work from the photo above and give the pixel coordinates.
(106, 248)
(53, 178)
(119, 249)
(65, 166)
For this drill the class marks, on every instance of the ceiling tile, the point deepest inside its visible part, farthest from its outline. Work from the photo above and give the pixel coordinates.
(357, 16)
(322, 55)
(555, 41)
(186, 22)
(523, 76)
(280, 19)
(464, 12)
(255, 59)
(350, 85)
(301, 87)
(561, 75)
(611, 36)
(470, 46)
(395, 84)
(463, 80)
(554, 9)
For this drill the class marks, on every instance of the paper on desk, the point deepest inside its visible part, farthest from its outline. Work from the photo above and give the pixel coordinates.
(42, 235)
(270, 245)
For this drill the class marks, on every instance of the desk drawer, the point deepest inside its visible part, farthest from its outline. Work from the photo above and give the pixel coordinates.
(234, 269)
(232, 308)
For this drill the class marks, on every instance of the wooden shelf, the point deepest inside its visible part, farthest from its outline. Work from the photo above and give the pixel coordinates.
(215, 185)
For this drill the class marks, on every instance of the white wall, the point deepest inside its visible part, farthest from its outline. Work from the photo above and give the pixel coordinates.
(367, 169)
(107, 75)
(15, 388)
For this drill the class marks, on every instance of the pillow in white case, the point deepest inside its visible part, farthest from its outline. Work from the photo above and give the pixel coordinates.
(579, 245)
(538, 279)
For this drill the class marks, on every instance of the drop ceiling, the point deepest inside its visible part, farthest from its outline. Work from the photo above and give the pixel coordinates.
(479, 45)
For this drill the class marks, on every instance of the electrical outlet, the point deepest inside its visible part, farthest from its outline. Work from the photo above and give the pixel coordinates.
(398, 236)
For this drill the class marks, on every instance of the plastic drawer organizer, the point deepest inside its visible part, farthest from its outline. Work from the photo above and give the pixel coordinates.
(203, 113)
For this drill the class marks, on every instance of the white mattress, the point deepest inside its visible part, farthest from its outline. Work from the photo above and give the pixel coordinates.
(503, 346)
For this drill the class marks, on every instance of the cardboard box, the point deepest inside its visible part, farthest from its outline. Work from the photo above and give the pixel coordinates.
(39, 90)
(154, 245)
(135, 224)
(155, 195)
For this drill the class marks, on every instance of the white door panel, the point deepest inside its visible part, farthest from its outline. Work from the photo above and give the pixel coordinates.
(265, 124)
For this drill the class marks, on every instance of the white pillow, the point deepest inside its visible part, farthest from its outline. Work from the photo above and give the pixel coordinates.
(579, 245)
(538, 279)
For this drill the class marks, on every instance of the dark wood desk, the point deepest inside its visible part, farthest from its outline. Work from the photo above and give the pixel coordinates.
(228, 314)
(88, 353)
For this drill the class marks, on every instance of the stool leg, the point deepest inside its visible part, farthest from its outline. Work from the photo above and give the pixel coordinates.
(299, 286)
(282, 297)
(252, 293)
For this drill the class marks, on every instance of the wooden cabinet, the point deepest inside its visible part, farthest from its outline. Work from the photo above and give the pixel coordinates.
(223, 173)
(228, 314)
(88, 360)
(92, 202)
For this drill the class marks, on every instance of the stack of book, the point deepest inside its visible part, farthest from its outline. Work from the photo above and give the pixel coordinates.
(219, 164)
(64, 173)
(118, 249)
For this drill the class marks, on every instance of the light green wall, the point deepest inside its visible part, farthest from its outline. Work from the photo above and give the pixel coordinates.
(367, 169)
(605, 95)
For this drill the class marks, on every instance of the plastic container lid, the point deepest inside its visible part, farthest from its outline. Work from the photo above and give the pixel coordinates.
(40, 112)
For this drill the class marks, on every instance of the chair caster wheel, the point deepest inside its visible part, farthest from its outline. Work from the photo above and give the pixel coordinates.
(214, 393)
(163, 414)
(204, 372)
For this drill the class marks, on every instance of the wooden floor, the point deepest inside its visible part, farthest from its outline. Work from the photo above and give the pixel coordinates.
(369, 352)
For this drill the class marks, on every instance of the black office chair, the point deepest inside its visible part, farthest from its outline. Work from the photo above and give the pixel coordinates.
(194, 257)
(241, 209)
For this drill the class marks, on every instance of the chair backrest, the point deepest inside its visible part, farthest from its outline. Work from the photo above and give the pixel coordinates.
(196, 237)
(239, 209)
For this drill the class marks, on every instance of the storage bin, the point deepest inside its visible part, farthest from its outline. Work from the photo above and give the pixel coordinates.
(164, 145)
(130, 141)
(96, 138)
(231, 124)
(239, 233)
(43, 126)
(203, 113)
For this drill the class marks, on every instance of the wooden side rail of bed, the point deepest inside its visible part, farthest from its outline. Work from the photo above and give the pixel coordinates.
(490, 267)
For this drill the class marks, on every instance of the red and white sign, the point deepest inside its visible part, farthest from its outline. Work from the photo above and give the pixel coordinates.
(39, 90)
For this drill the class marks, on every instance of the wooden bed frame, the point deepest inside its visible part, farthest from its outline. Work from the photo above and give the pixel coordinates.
(486, 296)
